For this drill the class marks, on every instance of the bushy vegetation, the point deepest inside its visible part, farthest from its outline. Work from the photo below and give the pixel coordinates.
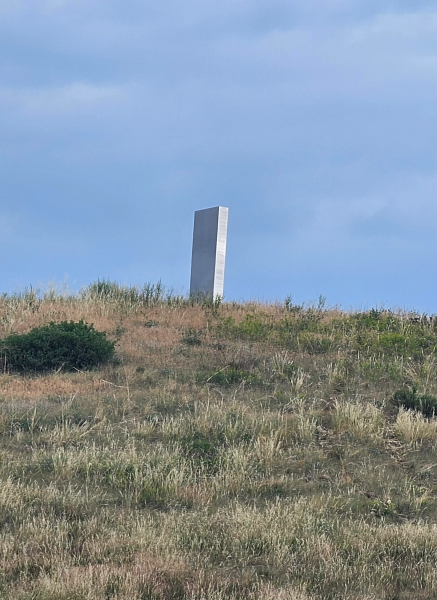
(411, 400)
(66, 345)
(233, 451)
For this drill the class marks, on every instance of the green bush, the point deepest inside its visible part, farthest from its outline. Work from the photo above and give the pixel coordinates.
(192, 337)
(65, 345)
(411, 400)
(253, 327)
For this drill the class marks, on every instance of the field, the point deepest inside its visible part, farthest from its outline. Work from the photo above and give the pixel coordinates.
(231, 451)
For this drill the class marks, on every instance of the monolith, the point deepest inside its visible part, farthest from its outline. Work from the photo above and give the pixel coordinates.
(209, 252)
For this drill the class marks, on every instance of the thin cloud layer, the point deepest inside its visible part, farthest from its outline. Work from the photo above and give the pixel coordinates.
(314, 122)
(77, 97)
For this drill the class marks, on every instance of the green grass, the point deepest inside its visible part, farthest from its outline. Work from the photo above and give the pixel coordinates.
(232, 451)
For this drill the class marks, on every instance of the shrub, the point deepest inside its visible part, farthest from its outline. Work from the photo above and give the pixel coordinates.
(192, 337)
(202, 448)
(411, 400)
(253, 327)
(65, 345)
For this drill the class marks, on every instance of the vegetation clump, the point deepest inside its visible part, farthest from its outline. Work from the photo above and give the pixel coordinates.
(192, 337)
(410, 400)
(67, 345)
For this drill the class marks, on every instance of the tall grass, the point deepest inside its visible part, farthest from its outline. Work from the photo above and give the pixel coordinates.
(270, 459)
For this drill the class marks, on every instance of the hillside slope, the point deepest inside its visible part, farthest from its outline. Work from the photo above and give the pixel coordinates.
(232, 451)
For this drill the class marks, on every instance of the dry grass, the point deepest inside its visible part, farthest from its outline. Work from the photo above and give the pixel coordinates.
(413, 428)
(241, 451)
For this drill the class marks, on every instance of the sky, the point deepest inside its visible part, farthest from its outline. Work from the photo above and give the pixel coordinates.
(315, 122)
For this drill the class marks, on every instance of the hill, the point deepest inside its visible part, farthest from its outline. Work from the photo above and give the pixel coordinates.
(230, 451)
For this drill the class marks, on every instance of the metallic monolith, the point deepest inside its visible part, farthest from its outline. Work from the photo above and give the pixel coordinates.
(209, 252)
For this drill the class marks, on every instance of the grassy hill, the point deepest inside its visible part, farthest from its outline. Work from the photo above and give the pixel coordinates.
(231, 451)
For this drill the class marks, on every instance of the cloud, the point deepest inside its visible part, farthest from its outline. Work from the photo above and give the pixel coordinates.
(75, 97)
(56, 5)
(405, 27)
(8, 8)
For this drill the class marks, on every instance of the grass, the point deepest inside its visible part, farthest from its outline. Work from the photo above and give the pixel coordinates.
(231, 451)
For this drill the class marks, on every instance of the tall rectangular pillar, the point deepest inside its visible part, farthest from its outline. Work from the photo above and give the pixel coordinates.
(209, 252)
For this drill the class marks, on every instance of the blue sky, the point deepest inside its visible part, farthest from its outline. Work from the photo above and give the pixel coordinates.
(315, 122)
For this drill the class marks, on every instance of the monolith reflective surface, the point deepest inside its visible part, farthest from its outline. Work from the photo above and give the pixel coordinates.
(209, 252)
